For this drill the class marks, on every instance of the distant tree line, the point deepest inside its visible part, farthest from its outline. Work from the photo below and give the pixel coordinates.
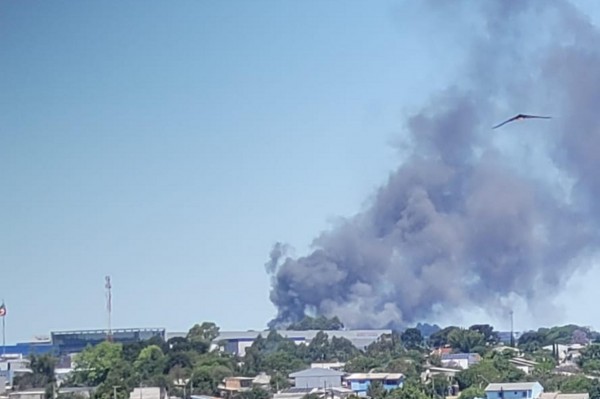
(192, 365)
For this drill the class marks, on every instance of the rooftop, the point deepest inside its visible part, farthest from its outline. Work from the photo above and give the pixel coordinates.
(317, 372)
(374, 376)
(558, 395)
(455, 356)
(511, 386)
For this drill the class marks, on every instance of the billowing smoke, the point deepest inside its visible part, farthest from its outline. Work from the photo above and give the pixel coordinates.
(472, 217)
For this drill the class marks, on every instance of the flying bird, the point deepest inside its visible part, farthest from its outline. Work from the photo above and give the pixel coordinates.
(519, 118)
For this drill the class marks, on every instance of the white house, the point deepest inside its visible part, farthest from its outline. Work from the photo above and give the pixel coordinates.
(514, 390)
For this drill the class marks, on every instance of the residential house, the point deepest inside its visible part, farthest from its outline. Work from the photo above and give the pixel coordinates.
(434, 371)
(566, 353)
(317, 378)
(460, 360)
(525, 365)
(360, 382)
(83, 392)
(443, 350)
(12, 366)
(514, 390)
(147, 393)
(325, 393)
(263, 381)
(39, 393)
(240, 384)
(559, 395)
(235, 384)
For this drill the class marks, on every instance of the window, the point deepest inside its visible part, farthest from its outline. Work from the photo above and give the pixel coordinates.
(524, 394)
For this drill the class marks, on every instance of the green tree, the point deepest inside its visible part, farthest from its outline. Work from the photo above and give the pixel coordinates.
(589, 360)
(254, 393)
(319, 348)
(576, 384)
(320, 323)
(440, 338)
(472, 393)
(361, 364)
(376, 390)
(496, 369)
(95, 362)
(410, 390)
(489, 335)
(201, 336)
(412, 338)
(531, 341)
(466, 341)
(594, 389)
(388, 345)
(150, 363)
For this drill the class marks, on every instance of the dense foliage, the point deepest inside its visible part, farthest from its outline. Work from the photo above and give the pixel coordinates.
(194, 364)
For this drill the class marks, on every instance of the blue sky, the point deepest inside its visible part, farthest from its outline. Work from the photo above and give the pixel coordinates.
(171, 144)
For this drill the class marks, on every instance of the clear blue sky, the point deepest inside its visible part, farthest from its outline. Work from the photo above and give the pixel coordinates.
(170, 144)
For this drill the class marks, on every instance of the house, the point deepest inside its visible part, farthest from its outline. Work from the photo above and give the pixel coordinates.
(460, 360)
(325, 393)
(433, 371)
(39, 393)
(263, 381)
(147, 393)
(83, 392)
(525, 365)
(317, 378)
(241, 384)
(235, 384)
(514, 390)
(558, 395)
(441, 351)
(12, 366)
(565, 353)
(360, 382)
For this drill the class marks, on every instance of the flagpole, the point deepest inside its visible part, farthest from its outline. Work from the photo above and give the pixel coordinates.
(3, 331)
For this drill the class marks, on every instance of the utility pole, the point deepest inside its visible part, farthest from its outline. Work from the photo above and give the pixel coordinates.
(115, 391)
(108, 287)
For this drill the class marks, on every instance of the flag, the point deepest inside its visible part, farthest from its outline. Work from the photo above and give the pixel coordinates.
(2, 310)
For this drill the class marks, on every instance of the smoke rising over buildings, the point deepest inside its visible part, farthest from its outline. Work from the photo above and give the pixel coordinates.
(465, 221)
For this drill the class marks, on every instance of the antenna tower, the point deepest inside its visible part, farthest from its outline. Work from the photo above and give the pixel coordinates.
(108, 287)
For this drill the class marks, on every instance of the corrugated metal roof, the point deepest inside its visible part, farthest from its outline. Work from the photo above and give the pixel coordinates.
(374, 376)
(455, 356)
(317, 372)
(511, 386)
(297, 390)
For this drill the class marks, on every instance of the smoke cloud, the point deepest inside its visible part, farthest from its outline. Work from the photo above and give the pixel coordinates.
(469, 220)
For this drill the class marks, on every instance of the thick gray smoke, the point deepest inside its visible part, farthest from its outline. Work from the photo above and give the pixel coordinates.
(464, 222)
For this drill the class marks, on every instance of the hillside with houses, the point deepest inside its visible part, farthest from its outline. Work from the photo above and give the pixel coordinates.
(320, 359)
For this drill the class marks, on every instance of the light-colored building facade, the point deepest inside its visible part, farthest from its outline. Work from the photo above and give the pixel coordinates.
(515, 390)
(460, 360)
(359, 383)
(317, 378)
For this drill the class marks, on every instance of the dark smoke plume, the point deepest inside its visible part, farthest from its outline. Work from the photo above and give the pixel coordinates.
(463, 223)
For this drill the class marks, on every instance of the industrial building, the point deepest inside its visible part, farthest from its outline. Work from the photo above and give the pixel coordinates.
(68, 342)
